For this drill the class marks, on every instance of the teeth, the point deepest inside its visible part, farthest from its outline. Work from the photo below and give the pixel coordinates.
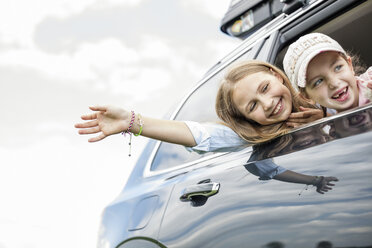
(338, 95)
(276, 110)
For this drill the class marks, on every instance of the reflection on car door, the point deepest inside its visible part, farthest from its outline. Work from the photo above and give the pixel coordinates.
(246, 212)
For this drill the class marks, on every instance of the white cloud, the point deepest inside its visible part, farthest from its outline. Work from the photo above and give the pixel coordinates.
(215, 9)
(155, 48)
(109, 64)
(105, 3)
(89, 62)
(18, 18)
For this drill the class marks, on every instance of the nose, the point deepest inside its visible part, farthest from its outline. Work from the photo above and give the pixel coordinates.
(333, 83)
(267, 102)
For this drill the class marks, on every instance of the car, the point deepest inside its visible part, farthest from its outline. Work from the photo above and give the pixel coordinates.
(174, 198)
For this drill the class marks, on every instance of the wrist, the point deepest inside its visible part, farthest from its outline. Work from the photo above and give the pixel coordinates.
(317, 180)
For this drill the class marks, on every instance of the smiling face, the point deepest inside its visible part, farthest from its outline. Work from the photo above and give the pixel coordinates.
(263, 98)
(330, 81)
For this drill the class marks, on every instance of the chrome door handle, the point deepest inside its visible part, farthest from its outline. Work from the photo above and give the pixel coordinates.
(205, 189)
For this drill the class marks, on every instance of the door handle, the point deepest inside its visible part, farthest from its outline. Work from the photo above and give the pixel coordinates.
(205, 189)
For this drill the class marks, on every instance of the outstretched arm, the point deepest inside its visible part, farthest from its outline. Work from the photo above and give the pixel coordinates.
(109, 120)
(323, 184)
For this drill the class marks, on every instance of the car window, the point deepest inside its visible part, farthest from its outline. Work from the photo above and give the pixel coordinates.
(343, 28)
(198, 107)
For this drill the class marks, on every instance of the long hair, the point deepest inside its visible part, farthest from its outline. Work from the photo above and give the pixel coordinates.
(248, 129)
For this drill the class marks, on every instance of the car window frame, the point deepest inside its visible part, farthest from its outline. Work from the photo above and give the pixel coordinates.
(225, 62)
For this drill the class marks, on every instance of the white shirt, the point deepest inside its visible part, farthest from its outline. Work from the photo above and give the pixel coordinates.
(214, 137)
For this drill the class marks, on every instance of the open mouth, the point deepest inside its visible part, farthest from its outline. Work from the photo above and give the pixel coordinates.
(341, 95)
(278, 108)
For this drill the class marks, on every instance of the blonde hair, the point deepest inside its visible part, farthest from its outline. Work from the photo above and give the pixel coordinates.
(227, 111)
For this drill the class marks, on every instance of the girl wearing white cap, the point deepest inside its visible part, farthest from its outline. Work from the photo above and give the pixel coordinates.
(322, 71)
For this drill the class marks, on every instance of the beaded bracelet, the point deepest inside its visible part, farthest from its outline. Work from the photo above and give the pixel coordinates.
(131, 122)
(141, 123)
(128, 132)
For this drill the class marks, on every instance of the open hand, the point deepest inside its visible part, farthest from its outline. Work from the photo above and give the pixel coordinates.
(325, 184)
(107, 120)
(305, 116)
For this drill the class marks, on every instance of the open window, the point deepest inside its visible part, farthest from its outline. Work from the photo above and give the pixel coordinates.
(199, 107)
(347, 25)
(349, 29)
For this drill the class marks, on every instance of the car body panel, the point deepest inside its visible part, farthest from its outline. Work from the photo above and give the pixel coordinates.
(246, 210)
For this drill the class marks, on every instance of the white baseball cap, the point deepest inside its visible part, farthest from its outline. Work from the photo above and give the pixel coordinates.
(302, 51)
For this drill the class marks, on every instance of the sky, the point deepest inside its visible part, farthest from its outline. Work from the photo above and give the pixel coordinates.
(57, 57)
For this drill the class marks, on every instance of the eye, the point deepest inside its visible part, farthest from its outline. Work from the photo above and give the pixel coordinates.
(265, 87)
(356, 119)
(252, 107)
(317, 82)
(338, 67)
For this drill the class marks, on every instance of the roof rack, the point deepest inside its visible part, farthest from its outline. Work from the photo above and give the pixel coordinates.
(244, 17)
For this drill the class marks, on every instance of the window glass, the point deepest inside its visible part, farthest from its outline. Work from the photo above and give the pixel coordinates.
(198, 107)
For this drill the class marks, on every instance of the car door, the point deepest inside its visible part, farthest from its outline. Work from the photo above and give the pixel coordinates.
(243, 211)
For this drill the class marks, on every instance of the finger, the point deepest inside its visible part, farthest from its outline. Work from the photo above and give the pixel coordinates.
(89, 116)
(302, 121)
(289, 124)
(329, 179)
(87, 124)
(369, 85)
(292, 124)
(331, 184)
(98, 138)
(89, 130)
(296, 115)
(301, 115)
(304, 109)
(98, 108)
